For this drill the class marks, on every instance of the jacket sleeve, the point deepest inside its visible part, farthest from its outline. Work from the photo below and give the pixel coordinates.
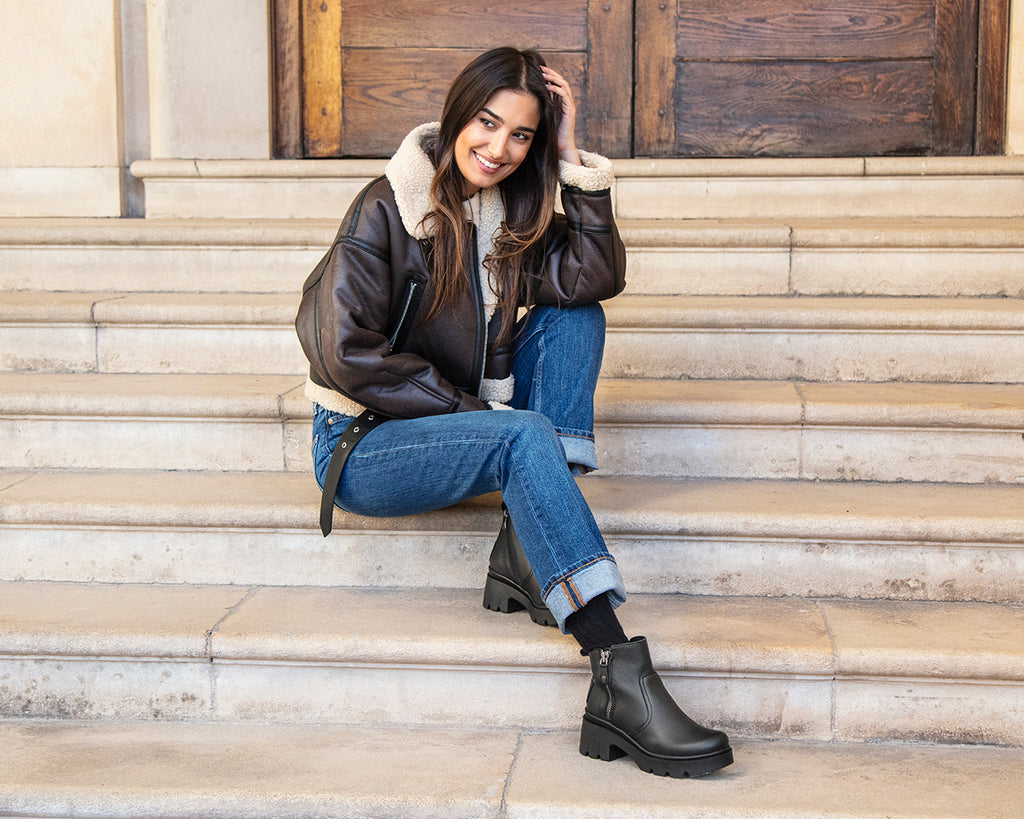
(347, 313)
(585, 259)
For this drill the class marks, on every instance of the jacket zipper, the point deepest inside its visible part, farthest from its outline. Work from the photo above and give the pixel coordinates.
(481, 330)
(410, 294)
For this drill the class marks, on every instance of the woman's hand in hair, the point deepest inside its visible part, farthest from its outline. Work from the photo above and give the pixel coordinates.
(567, 130)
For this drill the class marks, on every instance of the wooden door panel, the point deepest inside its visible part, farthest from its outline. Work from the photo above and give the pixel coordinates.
(372, 70)
(805, 77)
(805, 29)
(774, 108)
(448, 24)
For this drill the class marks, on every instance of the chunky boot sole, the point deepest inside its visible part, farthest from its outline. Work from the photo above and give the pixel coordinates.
(604, 741)
(504, 596)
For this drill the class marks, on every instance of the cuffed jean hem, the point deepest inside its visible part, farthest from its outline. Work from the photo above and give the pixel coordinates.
(579, 450)
(583, 585)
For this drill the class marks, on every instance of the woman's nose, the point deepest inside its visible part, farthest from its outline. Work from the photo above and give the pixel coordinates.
(496, 147)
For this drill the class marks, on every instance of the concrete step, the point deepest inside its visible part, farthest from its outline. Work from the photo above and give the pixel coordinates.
(794, 668)
(973, 340)
(901, 541)
(644, 188)
(181, 770)
(866, 256)
(961, 433)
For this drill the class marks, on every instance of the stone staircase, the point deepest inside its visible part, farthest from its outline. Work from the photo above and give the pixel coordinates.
(810, 423)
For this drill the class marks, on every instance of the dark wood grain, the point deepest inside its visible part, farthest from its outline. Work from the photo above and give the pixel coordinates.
(541, 24)
(993, 66)
(808, 29)
(803, 109)
(654, 131)
(606, 112)
(287, 79)
(956, 52)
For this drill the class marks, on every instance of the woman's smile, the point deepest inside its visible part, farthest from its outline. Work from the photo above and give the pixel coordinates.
(491, 166)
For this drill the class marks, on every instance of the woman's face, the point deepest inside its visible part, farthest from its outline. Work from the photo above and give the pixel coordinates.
(496, 141)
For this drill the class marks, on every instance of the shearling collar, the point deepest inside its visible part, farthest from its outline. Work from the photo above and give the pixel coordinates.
(411, 173)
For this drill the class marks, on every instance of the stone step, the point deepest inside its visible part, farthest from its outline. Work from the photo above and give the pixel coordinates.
(794, 668)
(902, 541)
(644, 189)
(960, 433)
(98, 770)
(867, 256)
(973, 340)
(816, 339)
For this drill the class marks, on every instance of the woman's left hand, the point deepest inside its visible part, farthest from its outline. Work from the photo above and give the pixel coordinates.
(567, 130)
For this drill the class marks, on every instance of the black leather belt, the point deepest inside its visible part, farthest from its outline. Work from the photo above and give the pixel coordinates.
(353, 434)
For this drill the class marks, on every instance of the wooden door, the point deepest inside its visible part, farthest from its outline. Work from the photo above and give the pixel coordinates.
(354, 76)
(659, 77)
(819, 77)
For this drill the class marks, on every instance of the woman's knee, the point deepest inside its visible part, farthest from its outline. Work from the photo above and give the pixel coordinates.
(526, 428)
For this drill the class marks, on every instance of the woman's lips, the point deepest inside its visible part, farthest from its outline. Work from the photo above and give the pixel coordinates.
(487, 165)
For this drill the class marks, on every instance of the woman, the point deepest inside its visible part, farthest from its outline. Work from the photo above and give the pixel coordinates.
(411, 325)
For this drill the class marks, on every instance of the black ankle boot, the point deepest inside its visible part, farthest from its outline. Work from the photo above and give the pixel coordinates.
(629, 712)
(510, 584)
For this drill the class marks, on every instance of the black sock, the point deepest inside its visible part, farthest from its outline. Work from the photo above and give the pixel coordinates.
(595, 625)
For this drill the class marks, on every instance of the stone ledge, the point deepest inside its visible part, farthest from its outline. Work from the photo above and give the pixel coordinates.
(689, 635)
(416, 656)
(175, 770)
(618, 401)
(634, 506)
(277, 310)
(751, 167)
(200, 233)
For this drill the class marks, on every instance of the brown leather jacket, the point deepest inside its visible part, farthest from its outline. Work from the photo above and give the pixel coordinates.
(354, 301)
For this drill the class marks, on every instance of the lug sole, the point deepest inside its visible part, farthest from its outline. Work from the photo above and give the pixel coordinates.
(506, 597)
(607, 744)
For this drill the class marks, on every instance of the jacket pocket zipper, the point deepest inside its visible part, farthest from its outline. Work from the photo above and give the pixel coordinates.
(409, 305)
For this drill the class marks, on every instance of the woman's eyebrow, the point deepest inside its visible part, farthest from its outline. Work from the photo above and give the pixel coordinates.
(492, 115)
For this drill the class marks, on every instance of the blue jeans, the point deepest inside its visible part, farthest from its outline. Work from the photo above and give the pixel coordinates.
(406, 467)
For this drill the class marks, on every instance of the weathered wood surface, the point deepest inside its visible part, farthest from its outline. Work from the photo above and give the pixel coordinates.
(323, 116)
(993, 68)
(557, 25)
(287, 71)
(803, 109)
(805, 29)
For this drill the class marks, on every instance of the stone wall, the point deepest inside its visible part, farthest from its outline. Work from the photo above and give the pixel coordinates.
(61, 140)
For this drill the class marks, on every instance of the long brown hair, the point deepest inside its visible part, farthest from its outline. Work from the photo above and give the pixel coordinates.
(528, 193)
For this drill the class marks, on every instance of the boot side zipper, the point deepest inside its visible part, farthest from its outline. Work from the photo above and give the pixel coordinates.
(605, 664)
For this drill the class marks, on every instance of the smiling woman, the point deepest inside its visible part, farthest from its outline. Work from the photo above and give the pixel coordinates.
(465, 398)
